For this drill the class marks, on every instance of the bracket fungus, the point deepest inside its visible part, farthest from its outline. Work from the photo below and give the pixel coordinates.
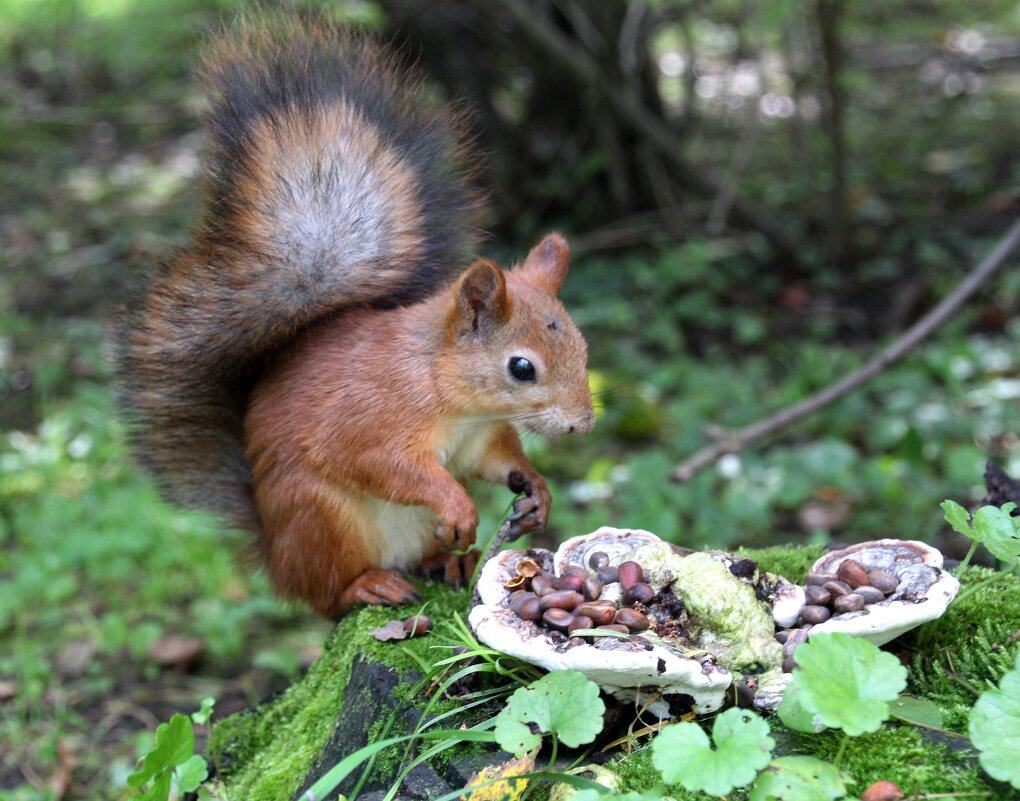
(641, 617)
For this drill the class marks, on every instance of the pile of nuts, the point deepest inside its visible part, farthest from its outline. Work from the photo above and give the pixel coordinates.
(850, 590)
(571, 601)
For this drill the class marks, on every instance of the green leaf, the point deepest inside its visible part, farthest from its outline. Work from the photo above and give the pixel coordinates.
(201, 717)
(682, 753)
(992, 526)
(998, 531)
(847, 681)
(958, 518)
(798, 778)
(917, 712)
(563, 702)
(793, 712)
(192, 773)
(995, 728)
(159, 790)
(175, 743)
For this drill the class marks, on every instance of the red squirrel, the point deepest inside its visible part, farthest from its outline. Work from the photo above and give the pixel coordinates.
(316, 364)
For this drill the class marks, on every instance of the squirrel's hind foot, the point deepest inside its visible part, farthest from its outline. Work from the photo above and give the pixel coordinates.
(377, 588)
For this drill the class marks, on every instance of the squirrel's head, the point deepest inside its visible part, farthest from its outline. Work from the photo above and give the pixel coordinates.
(520, 356)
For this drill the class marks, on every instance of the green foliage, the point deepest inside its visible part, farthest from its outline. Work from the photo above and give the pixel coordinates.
(172, 754)
(564, 704)
(847, 682)
(992, 526)
(917, 711)
(683, 754)
(995, 728)
(798, 778)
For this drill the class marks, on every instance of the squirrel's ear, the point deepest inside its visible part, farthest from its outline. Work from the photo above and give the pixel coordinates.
(548, 263)
(482, 299)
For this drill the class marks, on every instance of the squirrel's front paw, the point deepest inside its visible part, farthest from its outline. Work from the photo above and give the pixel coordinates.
(457, 525)
(532, 511)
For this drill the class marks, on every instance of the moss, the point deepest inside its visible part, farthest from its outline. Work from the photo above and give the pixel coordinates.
(790, 561)
(968, 649)
(267, 752)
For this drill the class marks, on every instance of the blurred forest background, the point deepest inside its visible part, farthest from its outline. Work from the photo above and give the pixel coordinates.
(759, 193)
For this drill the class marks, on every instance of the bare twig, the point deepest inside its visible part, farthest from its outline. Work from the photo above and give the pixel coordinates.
(633, 113)
(498, 539)
(735, 441)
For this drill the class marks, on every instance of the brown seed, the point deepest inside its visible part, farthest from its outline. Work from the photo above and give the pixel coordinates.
(530, 609)
(542, 584)
(883, 580)
(632, 619)
(630, 574)
(607, 575)
(573, 642)
(561, 599)
(848, 603)
(598, 560)
(637, 640)
(417, 625)
(558, 619)
(797, 637)
(580, 622)
(528, 567)
(818, 579)
(871, 595)
(574, 570)
(617, 627)
(814, 614)
(782, 635)
(817, 595)
(568, 583)
(882, 791)
(518, 599)
(591, 589)
(640, 593)
(516, 583)
(852, 572)
(789, 663)
(600, 614)
(835, 588)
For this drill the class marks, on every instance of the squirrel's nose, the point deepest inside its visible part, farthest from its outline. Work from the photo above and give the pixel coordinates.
(585, 423)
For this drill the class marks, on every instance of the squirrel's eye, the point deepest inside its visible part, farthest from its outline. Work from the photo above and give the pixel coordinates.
(521, 368)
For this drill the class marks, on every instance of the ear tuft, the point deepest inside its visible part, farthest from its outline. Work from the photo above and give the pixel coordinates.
(482, 298)
(548, 262)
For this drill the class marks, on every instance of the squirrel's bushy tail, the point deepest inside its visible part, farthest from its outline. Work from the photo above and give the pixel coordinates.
(332, 179)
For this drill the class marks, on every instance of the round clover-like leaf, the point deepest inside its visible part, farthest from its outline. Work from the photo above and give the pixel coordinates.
(564, 703)
(847, 681)
(798, 778)
(682, 753)
(793, 713)
(995, 728)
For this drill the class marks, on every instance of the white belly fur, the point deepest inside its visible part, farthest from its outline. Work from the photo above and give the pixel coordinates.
(407, 532)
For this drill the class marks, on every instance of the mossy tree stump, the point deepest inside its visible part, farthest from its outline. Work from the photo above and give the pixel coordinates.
(361, 690)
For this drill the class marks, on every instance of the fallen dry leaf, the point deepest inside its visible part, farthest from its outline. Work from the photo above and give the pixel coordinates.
(176, 650)
(500, 791)
(394, 630)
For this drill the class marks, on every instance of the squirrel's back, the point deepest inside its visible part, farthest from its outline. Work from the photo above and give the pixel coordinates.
(332, 180)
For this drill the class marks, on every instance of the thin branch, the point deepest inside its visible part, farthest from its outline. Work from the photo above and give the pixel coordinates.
(633, 113)
(735, 441)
